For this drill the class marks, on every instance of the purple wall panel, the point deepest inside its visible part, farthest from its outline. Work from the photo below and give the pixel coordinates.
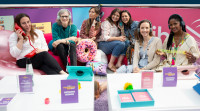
(36, 14)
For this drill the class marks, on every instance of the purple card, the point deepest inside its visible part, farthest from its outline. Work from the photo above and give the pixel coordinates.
(69, 91)
(169, 76)
(5, 101)
(26, 83)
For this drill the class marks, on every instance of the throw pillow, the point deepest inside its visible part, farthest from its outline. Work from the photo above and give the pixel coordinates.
(99, 68)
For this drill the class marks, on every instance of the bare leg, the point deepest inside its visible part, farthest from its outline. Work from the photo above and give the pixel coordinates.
(103, 86)
(63, 72)
(111, 63)
(119, 62)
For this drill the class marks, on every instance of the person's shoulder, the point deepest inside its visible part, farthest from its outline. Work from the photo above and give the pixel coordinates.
(55, 24)
(73, 26)
(189, 37)
(84, 21)
(134, 24)
(13, 34)
(38, 31)
(106, 22)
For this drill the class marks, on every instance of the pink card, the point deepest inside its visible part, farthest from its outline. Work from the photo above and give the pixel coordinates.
(147, 79)
(126, 98)
(141, 96)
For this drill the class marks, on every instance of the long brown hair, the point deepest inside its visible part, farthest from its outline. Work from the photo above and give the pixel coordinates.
(112, 13)
(17, 20)
(89, 21)
(137, 33)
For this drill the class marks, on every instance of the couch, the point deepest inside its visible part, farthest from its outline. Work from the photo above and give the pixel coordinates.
(8, 63)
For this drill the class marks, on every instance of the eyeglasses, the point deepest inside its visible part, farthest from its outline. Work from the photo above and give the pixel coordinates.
(64, 16)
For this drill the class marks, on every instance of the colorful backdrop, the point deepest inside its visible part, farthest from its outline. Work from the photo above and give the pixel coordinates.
(158, 17)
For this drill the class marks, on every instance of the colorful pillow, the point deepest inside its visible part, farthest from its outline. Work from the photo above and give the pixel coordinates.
(99, 68)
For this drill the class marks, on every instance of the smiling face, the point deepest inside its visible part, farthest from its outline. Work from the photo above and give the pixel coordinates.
(92, 13)
(145, 29)
(64, 18)
(26, 24)
(125, 17)
(174, 25)
(115, 17)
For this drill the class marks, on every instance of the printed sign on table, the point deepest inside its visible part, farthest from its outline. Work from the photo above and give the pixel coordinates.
(147, 79)
(69, 91)
(169, 76)
(26, 83)
(5, 101)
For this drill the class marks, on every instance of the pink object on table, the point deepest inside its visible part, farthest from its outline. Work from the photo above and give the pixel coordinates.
(141, 96)
(126, 98)
(46, 101)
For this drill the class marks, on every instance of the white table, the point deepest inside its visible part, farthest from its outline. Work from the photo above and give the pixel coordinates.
(47, 86)
(181, 97)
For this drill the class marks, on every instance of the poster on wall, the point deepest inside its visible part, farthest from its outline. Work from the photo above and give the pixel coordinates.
(45, 27)
(6, 22)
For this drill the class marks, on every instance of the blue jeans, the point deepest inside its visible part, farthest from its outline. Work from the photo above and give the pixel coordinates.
(116, 48)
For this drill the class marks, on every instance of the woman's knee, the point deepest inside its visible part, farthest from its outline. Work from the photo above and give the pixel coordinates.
(60, 47)
(121, 44)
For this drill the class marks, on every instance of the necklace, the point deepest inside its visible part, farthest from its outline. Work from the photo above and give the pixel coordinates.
(175, 48)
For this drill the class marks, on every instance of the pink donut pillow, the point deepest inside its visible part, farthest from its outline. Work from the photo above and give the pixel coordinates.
(86, 50)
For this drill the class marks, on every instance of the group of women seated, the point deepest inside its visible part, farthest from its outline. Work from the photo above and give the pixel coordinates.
(117, 35)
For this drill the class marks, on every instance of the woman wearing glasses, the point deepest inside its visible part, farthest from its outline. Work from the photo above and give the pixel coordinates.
(64, 37)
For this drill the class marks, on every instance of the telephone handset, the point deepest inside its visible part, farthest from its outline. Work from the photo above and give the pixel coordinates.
(99, 17)
(17, 27)
(32, 53)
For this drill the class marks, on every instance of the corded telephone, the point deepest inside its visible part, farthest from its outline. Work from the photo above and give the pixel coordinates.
(32, 53)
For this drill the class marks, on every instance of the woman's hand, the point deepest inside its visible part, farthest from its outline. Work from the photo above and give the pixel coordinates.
(159, 52)
(93, 38)
(122, 38)
(73, 39)
(55, 43)
(136, 69)
(121, 25)
(190, 57)
(94, 22)
(19, 34)
(39, 50)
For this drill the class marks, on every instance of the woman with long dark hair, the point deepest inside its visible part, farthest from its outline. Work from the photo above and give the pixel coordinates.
(90, 28)
(20, 46)
(180, 48)
(111, 41)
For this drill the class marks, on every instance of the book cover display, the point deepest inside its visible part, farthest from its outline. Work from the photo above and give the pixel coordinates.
(135, 98)
(25, 83)
(169, 76)
(5, 99)
(7, 23)
(45, 27)
(69, 91)
(147, 79)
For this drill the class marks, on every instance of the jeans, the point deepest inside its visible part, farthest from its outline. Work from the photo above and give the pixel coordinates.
(116, 48)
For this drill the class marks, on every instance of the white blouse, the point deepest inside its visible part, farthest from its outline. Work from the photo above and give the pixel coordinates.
(108, 30)
(17, 53)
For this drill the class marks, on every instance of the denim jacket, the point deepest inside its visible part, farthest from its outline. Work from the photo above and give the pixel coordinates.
(131, 30)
